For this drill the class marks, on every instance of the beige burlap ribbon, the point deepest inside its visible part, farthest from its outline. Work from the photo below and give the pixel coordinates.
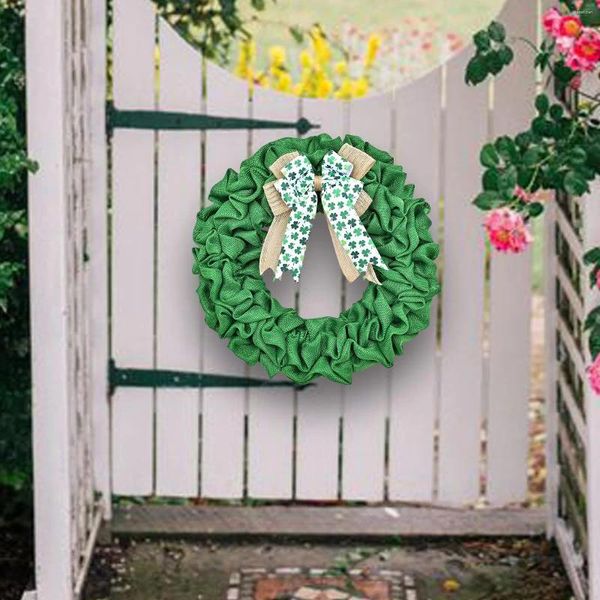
(271, 248)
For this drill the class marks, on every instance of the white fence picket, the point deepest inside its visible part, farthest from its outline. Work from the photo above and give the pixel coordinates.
(319, 406)
(178, 318)
(510, 277)
(366, 401)
(133, 247)
(271, 411)
(223, 410)
(415, 376)
(463, 286)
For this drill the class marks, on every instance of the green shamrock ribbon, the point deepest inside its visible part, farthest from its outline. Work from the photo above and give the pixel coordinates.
(340, 194)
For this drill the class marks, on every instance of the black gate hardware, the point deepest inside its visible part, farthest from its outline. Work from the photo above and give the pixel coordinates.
(158, 378)
(167, 120)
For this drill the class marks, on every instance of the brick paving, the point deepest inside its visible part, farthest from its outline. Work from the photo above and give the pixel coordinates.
(296, 583)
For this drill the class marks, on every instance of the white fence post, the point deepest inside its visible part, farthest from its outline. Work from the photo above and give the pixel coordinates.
(52, 385)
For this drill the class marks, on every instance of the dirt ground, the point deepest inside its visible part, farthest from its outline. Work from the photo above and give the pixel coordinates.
(507, 569)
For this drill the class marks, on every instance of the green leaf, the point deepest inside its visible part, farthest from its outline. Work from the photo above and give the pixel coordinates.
(592, 257)
(296, 33)
(556, 112)
(542, 104)
(488, 200)
(496, 31)
(476, 71)
(593, 319)
(532, 156)
(506, 55)
(575, 184)
(493, 62)
(482, 40)
(578, 155)
(489, 180)
(489, 157)
(589, 13)
(535, 209)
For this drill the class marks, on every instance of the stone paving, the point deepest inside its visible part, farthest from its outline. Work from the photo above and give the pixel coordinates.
(296, 583)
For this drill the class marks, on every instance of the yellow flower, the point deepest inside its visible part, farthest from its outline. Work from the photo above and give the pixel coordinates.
(341, 68)
(373, 45)
(277, 56)
(324, 88)
(284, 82)
(360, 87)
(246, 57)
(306, 60)
(320, 46)
(345, 90)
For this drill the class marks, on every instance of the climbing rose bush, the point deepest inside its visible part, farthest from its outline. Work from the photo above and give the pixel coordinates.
(561, 149)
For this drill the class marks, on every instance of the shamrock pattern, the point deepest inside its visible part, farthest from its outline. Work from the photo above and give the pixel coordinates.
(339, 194)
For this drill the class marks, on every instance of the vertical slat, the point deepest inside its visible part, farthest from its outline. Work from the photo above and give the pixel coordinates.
(223, 410)
(591, 239)
(462, 296)
(319, 407)
(133, 246)
(510, 277)
(551, 368)
(414, 377)
(178, 316)
(47, 126)
(366, 401)
(271, 412)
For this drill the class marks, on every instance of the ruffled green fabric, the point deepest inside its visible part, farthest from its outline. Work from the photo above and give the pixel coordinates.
(229, 234)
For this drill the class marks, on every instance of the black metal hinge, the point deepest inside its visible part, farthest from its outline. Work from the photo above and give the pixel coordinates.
(160, 378)
(168, 120)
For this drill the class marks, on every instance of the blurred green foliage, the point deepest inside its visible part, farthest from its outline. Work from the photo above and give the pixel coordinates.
(210, 25)
(15, 381)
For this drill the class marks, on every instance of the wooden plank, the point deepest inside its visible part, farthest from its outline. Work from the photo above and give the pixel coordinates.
(133, 247)
(462, 297)
(329, 524)
(223, 411)
(366, 401)
(510, 277)
(178, 316)
(591, 237)
(271, 412)
(98, 256)
(415, 375)
(47, 126)
(319, 407)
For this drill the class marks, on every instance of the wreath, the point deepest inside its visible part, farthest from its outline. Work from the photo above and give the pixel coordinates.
(233, 248)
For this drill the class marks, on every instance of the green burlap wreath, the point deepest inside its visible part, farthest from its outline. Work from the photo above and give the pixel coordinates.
(229, 234)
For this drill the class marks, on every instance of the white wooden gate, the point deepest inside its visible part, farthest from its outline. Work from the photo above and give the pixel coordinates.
(445, 425)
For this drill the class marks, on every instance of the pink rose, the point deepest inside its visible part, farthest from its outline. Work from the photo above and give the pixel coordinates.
(585, 52)
(551, 21)
(598, 278)
(507, 231)
(593, 373)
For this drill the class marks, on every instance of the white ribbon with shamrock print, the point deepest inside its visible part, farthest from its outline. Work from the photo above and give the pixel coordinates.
(293, 199)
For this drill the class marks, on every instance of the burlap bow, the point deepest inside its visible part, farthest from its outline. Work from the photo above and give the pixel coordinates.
(293, 199)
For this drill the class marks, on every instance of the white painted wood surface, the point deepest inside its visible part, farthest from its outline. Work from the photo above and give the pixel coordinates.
(50, 286)
(366, 401)
(510, 293)
(98, 251)
(414, 385)
(223, 410)
(462, 296)
(319, 407)
(133, 242)
(178, 341)
(591, 239)
(271, 411)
